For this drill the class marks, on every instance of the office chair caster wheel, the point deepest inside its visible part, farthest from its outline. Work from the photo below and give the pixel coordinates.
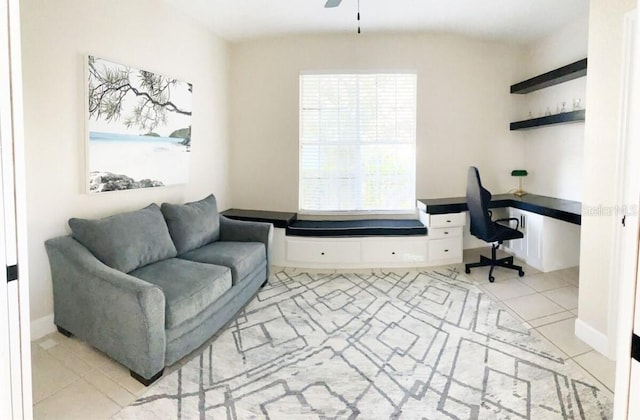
(520, 273)
(491, 279)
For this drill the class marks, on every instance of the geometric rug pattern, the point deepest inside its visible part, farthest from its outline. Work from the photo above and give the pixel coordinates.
(418, 345)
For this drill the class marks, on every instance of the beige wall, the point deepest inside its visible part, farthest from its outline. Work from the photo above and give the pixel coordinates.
(146, 34)
(554, 154)
(600, 158)
(464, 109)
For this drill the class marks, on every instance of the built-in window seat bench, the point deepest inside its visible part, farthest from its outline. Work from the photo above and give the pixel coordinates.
(369, 227)
(355, 243)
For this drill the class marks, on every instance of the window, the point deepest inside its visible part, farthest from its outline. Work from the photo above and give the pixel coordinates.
(357, 142)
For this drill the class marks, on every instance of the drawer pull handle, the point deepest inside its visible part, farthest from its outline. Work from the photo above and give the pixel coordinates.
(446, 233)
(446, 250)
(322, 253)
(393, 252)
(448, 221)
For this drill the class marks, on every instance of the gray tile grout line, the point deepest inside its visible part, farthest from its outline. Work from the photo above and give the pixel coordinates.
(589, 372)
(78, 377)
(568, 311)
(81, 376)
(63, 388)
(571, 315)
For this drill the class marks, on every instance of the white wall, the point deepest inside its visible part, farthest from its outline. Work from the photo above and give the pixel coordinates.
(606, 18)
(56, 36)
(464, 109)
(554, 154)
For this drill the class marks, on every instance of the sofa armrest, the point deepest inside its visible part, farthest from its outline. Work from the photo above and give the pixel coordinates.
(119, 314)
(247, 231)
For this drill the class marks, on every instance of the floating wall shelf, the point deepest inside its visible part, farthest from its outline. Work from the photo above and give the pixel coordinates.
(565, 117)
(554, 77)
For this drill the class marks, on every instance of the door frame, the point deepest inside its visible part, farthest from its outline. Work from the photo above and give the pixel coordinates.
(17, 403)
(622, 297)
(622, 257)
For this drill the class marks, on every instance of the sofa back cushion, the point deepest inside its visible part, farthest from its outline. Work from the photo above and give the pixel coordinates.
(192, 225)
(126, 241)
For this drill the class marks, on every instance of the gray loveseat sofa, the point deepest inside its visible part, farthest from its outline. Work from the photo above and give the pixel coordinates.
(148, 287)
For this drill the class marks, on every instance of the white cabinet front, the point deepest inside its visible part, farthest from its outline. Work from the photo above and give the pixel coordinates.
(534, 225)
(446, 220)
(445, 232)
(395, 251)
(445, 249)
(321, 251)
(357, 252)
(518, 246)
(548, 244)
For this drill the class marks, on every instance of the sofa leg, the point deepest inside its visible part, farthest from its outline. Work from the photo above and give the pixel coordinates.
(144, 381)
(264, 283)
(63, 331)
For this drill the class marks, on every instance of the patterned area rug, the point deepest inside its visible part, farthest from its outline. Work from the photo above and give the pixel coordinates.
(419, 345)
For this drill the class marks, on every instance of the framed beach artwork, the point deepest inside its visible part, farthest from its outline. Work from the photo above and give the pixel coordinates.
(139, 126)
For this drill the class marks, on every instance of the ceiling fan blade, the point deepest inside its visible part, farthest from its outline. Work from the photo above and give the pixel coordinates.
(332, 3)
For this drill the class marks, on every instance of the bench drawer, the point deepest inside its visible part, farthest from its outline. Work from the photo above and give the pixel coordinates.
(442, 233)
(319, 251)
(447, 220)
(445, 249)
(395, 251)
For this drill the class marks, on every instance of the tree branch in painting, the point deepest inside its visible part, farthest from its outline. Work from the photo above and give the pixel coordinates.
(108, 88)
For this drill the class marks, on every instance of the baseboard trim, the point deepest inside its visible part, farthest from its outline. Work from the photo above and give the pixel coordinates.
(42, 326)
(593, 337)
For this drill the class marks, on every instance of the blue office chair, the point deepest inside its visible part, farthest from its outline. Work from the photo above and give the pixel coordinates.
(482, 227)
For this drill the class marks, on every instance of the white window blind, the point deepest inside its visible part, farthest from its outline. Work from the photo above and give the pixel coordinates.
(357, 142)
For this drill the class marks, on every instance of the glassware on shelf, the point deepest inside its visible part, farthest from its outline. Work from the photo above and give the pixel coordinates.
(577, 104)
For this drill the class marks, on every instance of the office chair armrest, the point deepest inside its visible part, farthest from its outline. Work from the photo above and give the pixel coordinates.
(508, 220)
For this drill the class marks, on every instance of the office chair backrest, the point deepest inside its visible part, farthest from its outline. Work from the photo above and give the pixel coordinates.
(478, 200)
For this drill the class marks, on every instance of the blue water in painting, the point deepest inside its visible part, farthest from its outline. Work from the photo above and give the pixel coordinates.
(114, 137)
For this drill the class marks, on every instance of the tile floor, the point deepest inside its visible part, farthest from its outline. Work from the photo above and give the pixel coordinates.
(73, 381)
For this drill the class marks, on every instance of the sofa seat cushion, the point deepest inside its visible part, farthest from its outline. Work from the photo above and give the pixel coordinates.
(241, 257)
(126, 241)
(189, 287)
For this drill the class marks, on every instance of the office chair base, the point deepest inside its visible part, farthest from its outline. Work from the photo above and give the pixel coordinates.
(506, 262)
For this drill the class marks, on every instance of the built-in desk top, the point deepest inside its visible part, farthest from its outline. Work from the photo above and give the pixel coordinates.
(279, 219)
(557, 208)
